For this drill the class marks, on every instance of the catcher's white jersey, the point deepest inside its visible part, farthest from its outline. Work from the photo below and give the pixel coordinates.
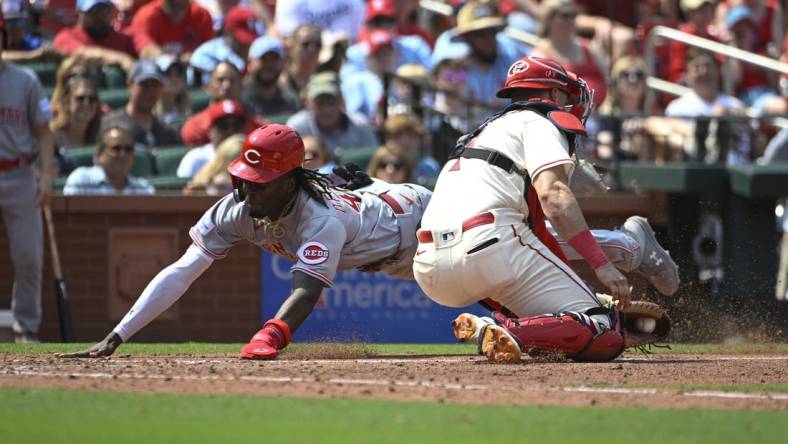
(467, 187)
(357, 229)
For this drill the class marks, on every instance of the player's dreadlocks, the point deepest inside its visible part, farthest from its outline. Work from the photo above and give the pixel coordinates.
(315, 184)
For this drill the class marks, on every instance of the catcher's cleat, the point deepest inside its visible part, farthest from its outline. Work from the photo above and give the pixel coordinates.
(656, 264)
(467, 326)
(498, 344)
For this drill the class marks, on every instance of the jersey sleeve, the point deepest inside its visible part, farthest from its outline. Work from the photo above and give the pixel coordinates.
(320, 249)
(38, 104)
(219, 228)
(544, 145)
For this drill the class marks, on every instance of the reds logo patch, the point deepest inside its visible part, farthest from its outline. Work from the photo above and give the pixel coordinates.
(518, 67)
(313, 253)
(252, 156)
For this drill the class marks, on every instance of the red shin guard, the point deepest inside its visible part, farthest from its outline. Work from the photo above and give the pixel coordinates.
(573, 335)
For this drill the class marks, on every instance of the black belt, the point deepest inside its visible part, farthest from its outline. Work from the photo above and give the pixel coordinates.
(493, 158)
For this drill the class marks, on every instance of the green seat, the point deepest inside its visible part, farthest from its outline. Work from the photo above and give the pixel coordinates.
(167, 160)
(83, 156)
(359, 156)
(115, 97)
(199, 100)
(278, 118)
(168, 183)
(45, 71)
(59, 183)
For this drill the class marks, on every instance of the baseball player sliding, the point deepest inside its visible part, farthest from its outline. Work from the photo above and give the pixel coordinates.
(298, 214)
(483, 236)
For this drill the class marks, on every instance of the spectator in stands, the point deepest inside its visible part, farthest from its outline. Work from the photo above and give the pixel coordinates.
(389, 166)
(769, 26)
(559, 41)
(95, 38)
(225, 84)
(363, 89)
(337, 16)
(241, 28)
(381, 16)
(303, 48)
(324, 117)
(113, 161)
(145, 84)
(450, 77)
(212, 177)
(750, 83)
(174, 105)
(73, 66)
(261, 88)
(226, 119)
(316, 156)
(403, 135)
(706, 100)
(175, 26)
(79, 115)
(488, 62)
(22, 46)
(410, 92)
(700, 22)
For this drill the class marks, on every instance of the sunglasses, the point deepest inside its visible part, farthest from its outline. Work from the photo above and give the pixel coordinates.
(312, 44)
(395, 165)
(121, 149)
(86, 99)
(454, 75)
(381, 21)
(632, 76)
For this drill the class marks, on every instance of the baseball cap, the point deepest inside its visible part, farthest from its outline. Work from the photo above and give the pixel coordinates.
(266, 44)
(15, 9)
(376, 8)
(691, 5)
(737, 14)
(145, 69)
(476, 16)
(224, 108)
(243, 24)
(378, 39)
(323, 83)
(87, 5)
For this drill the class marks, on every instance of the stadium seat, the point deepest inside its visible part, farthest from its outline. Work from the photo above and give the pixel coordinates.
(167, 159)
(199, 100)
(142, 166)
(46, 72)
(278, 118)
(359, 156)
(168, 183)
(114, 98)
(81, 156)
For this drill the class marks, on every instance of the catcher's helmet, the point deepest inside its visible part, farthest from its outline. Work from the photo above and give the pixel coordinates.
(268, 153)
(541, 73)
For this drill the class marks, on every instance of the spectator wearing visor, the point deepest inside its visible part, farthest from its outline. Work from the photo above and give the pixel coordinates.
(262, 90)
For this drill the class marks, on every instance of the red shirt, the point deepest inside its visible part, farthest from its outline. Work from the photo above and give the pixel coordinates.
(195, 28)
(69, 40)
(195, 130)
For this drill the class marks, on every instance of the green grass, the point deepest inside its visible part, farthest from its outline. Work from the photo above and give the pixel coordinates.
(376, 349)
(44, 416)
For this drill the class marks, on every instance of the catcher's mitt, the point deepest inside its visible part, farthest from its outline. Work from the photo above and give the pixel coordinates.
(637, 324)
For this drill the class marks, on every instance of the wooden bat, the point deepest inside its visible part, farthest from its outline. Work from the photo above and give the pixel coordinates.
(63, 305)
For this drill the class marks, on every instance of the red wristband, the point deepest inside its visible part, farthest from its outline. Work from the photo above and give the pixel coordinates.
(280, 331)
(586, 246)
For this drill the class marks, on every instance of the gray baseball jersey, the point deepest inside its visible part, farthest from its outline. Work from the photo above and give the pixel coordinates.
(373, 228)
(23, 106)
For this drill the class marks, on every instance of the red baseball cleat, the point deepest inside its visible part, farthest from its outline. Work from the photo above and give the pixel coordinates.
(258, 350)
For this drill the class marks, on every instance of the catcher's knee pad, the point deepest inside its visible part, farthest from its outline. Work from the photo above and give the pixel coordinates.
(575, 335)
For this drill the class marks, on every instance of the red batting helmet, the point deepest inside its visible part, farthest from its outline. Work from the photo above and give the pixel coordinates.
(541, 73)
(268, 153)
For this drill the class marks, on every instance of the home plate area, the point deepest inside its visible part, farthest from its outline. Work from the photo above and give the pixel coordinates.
(664, 380)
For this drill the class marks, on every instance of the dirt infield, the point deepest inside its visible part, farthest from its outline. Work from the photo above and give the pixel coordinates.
(633, 380)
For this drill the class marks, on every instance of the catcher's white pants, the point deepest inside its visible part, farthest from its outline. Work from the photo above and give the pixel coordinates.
(518, 271)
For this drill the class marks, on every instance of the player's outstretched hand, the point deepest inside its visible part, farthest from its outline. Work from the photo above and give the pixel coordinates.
(616, 282)
(103, 348)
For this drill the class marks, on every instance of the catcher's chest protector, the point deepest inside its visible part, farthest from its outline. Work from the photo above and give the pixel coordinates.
(574, 335)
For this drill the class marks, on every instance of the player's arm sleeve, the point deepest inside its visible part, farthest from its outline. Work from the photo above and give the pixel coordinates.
(166, 288)
(545, 147)
(320, 250)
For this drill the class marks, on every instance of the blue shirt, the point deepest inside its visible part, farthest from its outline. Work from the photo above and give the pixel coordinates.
(362, 91)
(209, 54)
(410, 49)
(93, 180)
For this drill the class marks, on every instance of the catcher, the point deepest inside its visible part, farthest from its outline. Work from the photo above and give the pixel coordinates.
(483, 236)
